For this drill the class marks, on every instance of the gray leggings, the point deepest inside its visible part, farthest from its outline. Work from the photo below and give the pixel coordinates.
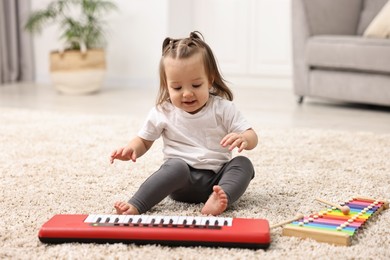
(184, 183)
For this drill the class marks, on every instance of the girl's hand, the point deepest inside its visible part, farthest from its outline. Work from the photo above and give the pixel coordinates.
(134, 149)
(235, 140)
(124, 153)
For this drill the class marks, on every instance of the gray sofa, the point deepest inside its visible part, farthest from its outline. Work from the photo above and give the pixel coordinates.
(331, 58)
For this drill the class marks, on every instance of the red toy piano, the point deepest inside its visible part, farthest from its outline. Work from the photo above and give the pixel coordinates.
(163, 230)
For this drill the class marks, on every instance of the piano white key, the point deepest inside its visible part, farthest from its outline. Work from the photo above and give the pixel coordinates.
(90, 218)
(110, 218)
(204, 221)
(189, 220)
(157, 220)
(126, 219)
(162, 220)
(151, 220)
(229, 221)
(167, 220)
(145, 219)
(136, 219)
(100, 218)
(121, 219)
(182, 220)
(198, 221)
(220, 221)
(113, 219)
(132, 219)
(212, 221)
(175, 220)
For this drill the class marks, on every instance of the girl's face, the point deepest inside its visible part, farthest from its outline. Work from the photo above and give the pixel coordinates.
(187, 82)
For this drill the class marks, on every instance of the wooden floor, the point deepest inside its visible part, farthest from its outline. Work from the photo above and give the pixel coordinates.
(265, 106)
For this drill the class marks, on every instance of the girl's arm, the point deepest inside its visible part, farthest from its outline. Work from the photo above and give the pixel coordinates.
(133, 150)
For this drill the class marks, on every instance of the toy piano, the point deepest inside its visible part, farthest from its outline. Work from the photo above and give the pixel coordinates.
(164, 230)
(333, 226)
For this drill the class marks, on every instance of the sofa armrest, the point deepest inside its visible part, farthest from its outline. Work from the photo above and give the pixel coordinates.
(315, 17)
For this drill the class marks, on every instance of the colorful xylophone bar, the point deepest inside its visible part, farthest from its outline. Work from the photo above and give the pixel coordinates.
(332, 226)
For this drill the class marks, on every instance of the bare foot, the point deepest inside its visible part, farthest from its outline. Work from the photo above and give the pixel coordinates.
(217, 202)
(124, 208)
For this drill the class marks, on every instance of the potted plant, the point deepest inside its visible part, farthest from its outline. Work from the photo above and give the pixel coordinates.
(79, 67)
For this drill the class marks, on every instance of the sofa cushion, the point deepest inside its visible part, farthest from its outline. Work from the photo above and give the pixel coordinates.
(333, 16)
(370, 9)
(349, 53)
(380, 26)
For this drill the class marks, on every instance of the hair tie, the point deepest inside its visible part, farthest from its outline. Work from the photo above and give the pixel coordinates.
(195, 35)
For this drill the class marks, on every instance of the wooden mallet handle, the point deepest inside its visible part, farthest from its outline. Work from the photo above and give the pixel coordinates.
(299, 216)
(344, 209)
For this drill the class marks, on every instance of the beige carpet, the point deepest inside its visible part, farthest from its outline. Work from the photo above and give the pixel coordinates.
(54, 163)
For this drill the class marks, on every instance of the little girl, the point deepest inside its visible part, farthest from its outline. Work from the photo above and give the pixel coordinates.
(200, 127)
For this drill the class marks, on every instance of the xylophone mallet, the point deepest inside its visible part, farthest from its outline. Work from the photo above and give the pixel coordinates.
(344, 209)
(297, 217)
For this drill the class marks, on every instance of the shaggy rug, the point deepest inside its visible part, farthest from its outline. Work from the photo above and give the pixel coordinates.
(55, 162)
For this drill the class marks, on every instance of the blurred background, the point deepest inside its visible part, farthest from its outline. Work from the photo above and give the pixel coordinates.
(250, 38)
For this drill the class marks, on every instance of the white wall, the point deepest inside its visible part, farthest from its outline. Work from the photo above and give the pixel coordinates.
(249, 37)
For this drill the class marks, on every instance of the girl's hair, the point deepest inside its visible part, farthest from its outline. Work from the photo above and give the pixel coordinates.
(185, 48)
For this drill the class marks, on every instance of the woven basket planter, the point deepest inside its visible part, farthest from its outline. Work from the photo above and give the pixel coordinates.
(78, 73)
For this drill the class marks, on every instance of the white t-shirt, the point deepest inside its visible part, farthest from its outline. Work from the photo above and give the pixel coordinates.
(195, 138)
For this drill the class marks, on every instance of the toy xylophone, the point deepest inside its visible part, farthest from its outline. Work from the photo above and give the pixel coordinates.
(332, 226)
(165, 230)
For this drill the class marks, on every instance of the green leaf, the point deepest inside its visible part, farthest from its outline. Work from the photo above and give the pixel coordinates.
(87, 27)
